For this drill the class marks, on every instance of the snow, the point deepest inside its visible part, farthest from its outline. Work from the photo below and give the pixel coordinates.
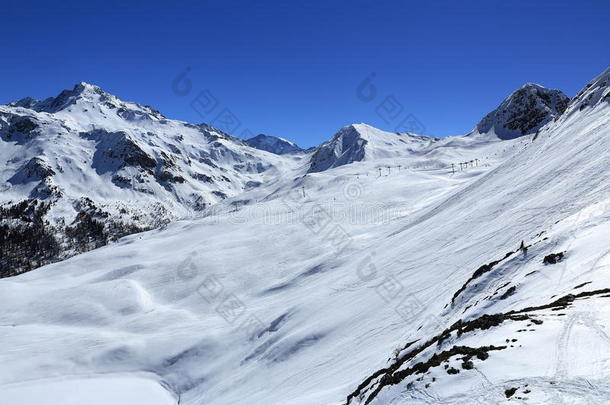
(524, 112)
(273, 144)
(362, 142)
(117, 390)
(295, 291)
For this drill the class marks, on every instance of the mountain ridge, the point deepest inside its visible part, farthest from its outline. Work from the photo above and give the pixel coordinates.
(273, 144)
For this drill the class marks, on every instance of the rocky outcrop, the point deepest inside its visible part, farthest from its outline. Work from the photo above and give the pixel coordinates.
(524, 112)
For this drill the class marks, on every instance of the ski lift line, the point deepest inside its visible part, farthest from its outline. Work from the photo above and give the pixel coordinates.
(427, 168)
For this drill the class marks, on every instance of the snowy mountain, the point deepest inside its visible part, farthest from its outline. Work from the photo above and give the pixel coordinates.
(273, 144)
(339, 283)
(359, 142)
(86, 168)
(524, 112)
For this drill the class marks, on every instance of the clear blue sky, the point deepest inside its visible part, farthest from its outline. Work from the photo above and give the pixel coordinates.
(292, 69)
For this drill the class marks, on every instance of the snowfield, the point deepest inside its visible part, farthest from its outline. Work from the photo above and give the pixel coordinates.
(117, 390)
(366, 271)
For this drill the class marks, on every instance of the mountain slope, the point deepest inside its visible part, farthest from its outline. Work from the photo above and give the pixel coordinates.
(104, 168)
(343, 286)
(553, 197)
(524, 112)
(273, 144)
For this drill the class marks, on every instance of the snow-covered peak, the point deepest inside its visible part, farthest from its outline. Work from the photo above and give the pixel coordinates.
(90, 100)
(532, 85)
(82, 90)
(524, 112)
(357, 142)
(273, 144)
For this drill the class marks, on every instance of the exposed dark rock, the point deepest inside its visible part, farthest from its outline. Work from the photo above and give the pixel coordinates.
(553, 258)
(219, 194)
(115, 150)
(202, 177)
(479, 272)
(467, 365)
(17, 128)
(25, 125)
(166, 176)
(347, 146)
(390, 376)
(508, 293)
(524, 112)
(510, 392)
(36, 169)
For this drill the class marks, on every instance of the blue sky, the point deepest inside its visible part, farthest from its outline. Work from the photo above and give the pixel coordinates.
(296, 69)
